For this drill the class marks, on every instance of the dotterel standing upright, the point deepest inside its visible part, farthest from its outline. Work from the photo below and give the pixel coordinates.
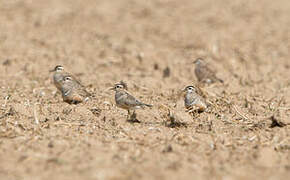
(203, 73)
(193, 101)
(73, 92)
(126, 101)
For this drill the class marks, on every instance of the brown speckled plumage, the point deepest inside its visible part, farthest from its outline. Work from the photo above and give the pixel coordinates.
(205, 74)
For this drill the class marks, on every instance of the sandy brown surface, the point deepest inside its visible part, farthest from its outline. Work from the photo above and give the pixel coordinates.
(102, 42)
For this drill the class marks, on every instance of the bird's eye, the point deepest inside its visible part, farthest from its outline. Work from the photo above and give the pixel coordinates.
(119, 86)
(190, 88)
(67, 78)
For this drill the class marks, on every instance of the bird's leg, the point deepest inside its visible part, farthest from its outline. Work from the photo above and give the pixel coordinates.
(133, 118)
(128, 115)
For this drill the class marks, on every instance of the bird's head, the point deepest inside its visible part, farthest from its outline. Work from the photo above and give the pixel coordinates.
(119, 86)
(198, 61)
(190, 89)
(58, 68)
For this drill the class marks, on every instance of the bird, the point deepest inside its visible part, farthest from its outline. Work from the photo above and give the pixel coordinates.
(59, 74)
(73, 92)
(193, 101)
(205, 74)
(126, 101)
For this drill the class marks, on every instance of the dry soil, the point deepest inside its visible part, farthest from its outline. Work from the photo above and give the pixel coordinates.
(150, 45)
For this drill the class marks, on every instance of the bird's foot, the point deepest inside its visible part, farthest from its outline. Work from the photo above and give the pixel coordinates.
(133, 119)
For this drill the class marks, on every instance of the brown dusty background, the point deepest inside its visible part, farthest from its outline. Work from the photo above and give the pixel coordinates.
(102, 42)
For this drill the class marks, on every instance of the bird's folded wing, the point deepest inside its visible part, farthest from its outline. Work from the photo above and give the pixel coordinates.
(130, 100)
(82, 92)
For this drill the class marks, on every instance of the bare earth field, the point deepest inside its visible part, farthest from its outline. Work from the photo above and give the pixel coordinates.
(246, 135)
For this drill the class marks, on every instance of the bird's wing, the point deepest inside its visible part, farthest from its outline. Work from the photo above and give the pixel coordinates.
(130, 100)
(203, 72)
(83, 92)
(212, 75)
(210, 71)
(78, 82)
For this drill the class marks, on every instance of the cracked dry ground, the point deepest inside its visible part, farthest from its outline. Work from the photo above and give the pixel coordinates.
(151, 45)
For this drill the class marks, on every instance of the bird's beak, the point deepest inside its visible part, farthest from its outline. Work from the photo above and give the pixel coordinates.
(52, 70)
(111, 88)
